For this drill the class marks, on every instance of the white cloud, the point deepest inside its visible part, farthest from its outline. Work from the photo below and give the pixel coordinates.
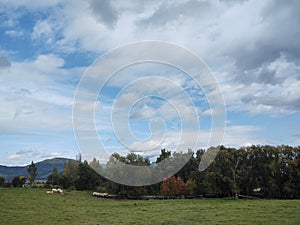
(275, 95)
(43, 29)
(237, 136)
(218, 36)
(252, 46)
(30, 4)
(13, 33)
(52, 155)
(4, 63)
(37, 96)
(24, 153)
(14, 156)
(28, 150)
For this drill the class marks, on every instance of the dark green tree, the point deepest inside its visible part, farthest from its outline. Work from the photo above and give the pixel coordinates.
(186, 171)
(114, 168)
(88, 178)
(53, 178)
(32, 170)
(260, 171)
(70, 174)
(163, 155)
(190, 187)
(2, 181)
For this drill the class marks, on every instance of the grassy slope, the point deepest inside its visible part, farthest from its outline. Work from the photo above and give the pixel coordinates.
(34, 206)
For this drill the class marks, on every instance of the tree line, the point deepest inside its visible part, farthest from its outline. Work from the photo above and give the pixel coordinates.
(254, 171)
(19, 181)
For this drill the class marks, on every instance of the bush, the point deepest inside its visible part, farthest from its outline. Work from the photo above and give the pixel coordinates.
(2, 181)
(18, 181)
(7, 184)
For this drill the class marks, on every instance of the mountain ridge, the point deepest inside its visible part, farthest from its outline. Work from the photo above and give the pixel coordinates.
(44, 168)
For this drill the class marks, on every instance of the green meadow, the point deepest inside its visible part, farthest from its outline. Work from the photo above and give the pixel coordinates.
(34, 206)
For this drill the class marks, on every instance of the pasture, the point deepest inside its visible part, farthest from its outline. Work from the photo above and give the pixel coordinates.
(34, 206)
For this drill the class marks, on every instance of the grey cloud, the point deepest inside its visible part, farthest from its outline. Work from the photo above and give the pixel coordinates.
(262, 75)
(270, 60)
(277, 103)
(4, 62)
(276, 6)
(27, 150)
(250, 59)
(51, 154)
(168, 12)
(11, 132)
(267, 76)
(25, 110)
(105, 12)
(17, 113)
(23, 91)
(232, 2)
(17, 94)
(281, 23)
(272, 88)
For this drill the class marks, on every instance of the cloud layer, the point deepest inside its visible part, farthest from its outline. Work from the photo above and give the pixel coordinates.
(251, 46)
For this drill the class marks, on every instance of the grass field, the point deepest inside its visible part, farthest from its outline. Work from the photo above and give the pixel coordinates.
(34, 206)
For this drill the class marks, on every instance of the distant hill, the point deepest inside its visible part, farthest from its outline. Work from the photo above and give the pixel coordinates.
(44, 168)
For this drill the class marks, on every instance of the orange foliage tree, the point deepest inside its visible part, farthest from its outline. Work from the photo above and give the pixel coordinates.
(172, 186)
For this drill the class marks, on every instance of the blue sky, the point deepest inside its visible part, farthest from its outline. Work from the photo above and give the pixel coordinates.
(252, 47)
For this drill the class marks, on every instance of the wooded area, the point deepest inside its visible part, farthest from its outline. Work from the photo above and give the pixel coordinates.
(255, 171)
(262, 171)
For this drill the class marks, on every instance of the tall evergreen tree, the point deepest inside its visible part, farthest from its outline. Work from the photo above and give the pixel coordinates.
(32, 170)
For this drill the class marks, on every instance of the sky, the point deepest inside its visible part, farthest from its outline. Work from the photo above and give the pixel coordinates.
(251, 47)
